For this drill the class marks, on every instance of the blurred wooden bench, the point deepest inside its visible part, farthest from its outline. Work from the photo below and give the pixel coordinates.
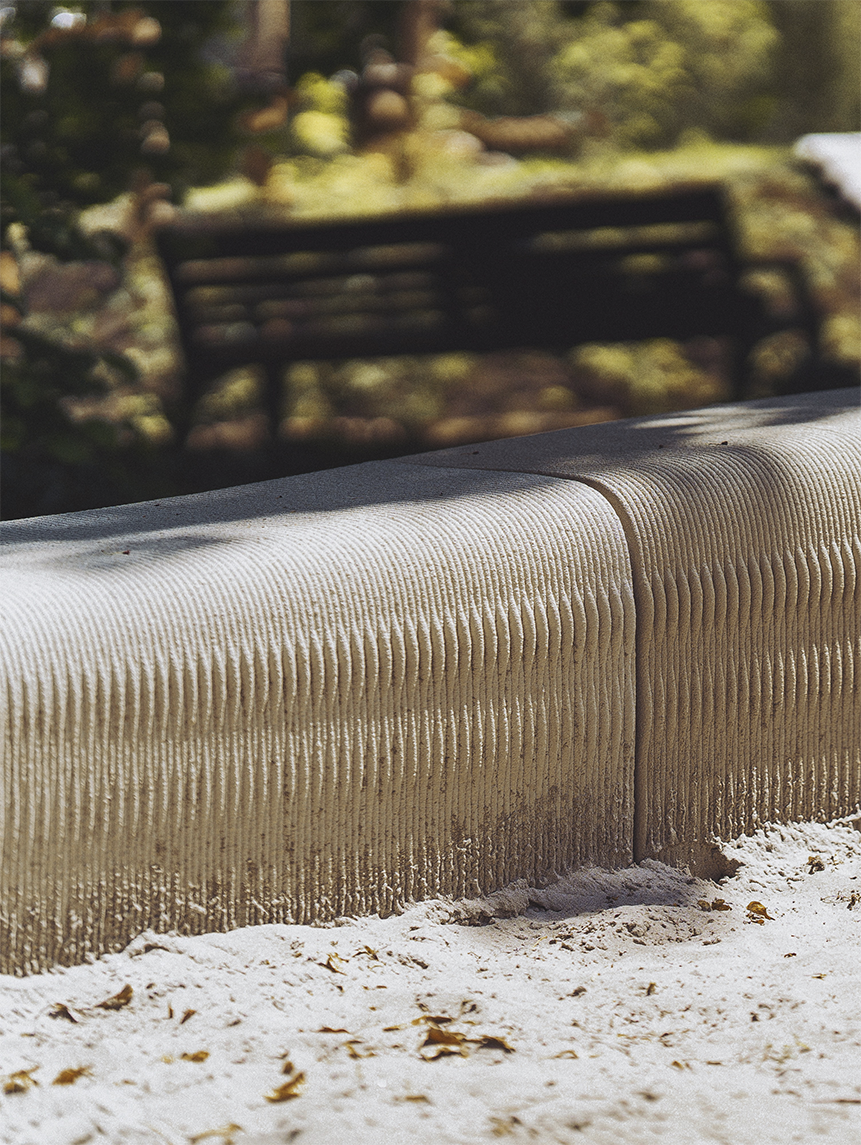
(548, 274)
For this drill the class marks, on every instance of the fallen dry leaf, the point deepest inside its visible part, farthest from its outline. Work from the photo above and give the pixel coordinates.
(70, 1076)
(439, 1042)
(197, 1056)
(414, 1097)
(118, 1000)
(756, 912)
(491, 1042)
(333, 963)
(288, 1090)
(62, 1011)
(715, 904)
(188, 1014)
(566, 1054)
(20, 1081)
(354, 1053)
(225, 1133)
(340, 1029)
(504, 1127)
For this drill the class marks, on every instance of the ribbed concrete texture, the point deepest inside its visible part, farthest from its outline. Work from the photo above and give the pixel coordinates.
(744, 527)
(308, 698)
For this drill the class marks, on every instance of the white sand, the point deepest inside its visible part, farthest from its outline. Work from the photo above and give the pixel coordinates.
(607, 1008)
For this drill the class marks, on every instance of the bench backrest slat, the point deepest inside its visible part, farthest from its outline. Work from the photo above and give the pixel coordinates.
(548, 274)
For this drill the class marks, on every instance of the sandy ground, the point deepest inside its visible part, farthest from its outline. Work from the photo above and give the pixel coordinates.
(611, 1007)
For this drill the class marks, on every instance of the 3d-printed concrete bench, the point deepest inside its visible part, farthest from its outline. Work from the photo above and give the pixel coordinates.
(331, 693)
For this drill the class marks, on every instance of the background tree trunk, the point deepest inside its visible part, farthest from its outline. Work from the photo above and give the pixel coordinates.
(262, 61)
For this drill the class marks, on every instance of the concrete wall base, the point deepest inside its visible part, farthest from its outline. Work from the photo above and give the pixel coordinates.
(330, 694)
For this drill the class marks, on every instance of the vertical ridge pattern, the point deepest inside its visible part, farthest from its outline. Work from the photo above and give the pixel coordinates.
(744, 528)
(312, 710)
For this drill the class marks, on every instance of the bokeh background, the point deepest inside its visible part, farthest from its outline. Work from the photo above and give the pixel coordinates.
(116, 115)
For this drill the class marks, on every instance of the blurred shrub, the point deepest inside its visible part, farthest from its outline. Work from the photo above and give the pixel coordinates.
(95, 103)
(647, 378)
(55, 457)
(650, 70)
(321, 126)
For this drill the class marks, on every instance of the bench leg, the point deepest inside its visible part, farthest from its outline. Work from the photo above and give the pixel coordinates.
(273, 398)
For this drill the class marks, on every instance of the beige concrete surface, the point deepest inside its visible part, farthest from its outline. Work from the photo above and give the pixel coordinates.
(744, 527)
(308, 698)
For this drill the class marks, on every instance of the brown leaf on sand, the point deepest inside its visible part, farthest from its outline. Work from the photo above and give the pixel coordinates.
(288, 1090)
(438, 1043)
(332, 1030)
(188, 1014)
(62, 1011)
(333, 963)
(225, 1133)
(118, 1000)
(197, 1056)
(715, 904)
(756, 912)
(491, 1042)
(20, 1081)
(70, 1076)
(357, 1053)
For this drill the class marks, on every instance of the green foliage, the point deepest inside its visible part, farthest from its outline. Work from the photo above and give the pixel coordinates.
(649, 69)
(200, 100)
(514, 48)
(640, 83)
(52, 460)
(157, 102)
(91, 107)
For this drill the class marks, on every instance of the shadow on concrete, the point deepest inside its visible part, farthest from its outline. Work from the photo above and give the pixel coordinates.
(183, 522)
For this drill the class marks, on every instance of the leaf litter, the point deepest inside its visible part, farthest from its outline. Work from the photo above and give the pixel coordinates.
(612, 1003)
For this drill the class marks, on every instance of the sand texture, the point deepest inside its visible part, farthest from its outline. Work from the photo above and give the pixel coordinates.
(611, 1007)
